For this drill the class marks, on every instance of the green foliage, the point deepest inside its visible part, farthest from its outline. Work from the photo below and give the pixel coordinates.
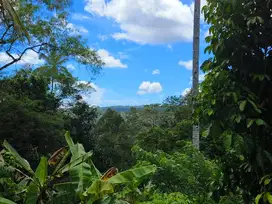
(172, 198)
(29, 116)
(86, 184)
(113, 142)
(186, 171)
(81, 121)
(47, 32)
(235, 99)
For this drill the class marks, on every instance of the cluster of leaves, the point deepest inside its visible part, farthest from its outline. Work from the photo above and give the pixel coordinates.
(235, 98)
(84, 180)
(44, 32)
(186, 171)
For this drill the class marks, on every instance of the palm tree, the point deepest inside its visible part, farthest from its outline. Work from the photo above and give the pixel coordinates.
(7, 7)
(54, 69)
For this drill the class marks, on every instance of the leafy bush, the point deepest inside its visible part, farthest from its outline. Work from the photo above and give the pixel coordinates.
(84, 183)
(187, 171)
(172, 198)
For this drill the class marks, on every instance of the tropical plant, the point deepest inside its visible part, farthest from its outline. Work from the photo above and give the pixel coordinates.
(45, 31)
(186, 171)
(235, 98)
(55, 70)
(84, 183)
(172, 198)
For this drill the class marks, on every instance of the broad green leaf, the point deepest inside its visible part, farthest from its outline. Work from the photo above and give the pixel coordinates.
(205, 133)
(210, 112)
(75, 162)
(77, 151)
(227, 138)
(6, 201)
(18, 158)
(66, 193)
(242, 105)
(254, 106)
(241, 157)
(32, 194)
(82, 175)
(238, 118)
(69, 139)
(249, 122)
(269, 197)
(258, 197)
(267, 181)
(260, 122)
(260, 19)
(132, 174)
(235, 97)
(99, 189)
(41, 171)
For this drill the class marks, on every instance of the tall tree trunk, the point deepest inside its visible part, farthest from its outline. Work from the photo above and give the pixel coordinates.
(195, 73)
(52, 85)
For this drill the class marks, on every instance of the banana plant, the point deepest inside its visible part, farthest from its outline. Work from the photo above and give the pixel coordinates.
(41, 187)
(86, 184)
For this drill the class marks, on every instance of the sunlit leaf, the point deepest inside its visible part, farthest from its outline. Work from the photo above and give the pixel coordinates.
(258, 197)
(6, 201)
(41, 171)
(132, 174)
(249, 122)
(18, 158)
(32, 194)
(243, 105)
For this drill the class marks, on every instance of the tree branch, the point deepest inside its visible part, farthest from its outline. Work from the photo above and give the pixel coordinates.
(14, 60)
(2, 41)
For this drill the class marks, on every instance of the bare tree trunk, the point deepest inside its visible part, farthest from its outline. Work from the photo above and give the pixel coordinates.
(195, 73)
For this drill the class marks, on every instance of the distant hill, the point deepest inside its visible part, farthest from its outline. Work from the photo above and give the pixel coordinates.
(120, 109)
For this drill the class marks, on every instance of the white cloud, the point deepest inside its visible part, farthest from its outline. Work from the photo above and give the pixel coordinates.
(102, 37)
(186, 91)
(77, 29)
(94, 97)
(170, 47)
(149, 87)
(30, 57)
(110, 61)
(80, 17)
(70, 67)
(201, 78)
(147, 22)
(123, 55)
(187, 64)
(156, 71)
(206, 34)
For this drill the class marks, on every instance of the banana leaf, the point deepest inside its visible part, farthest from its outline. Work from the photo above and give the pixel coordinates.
(41, 171)
(6, 201)
(132, 175)
(18, 158)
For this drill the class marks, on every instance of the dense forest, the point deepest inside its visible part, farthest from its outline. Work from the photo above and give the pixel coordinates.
(56, 148)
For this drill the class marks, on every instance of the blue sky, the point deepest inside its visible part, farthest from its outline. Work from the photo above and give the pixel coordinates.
(146, 45)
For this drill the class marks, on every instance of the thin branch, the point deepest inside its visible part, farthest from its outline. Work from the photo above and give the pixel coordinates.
(20, 56)
(2, 41)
